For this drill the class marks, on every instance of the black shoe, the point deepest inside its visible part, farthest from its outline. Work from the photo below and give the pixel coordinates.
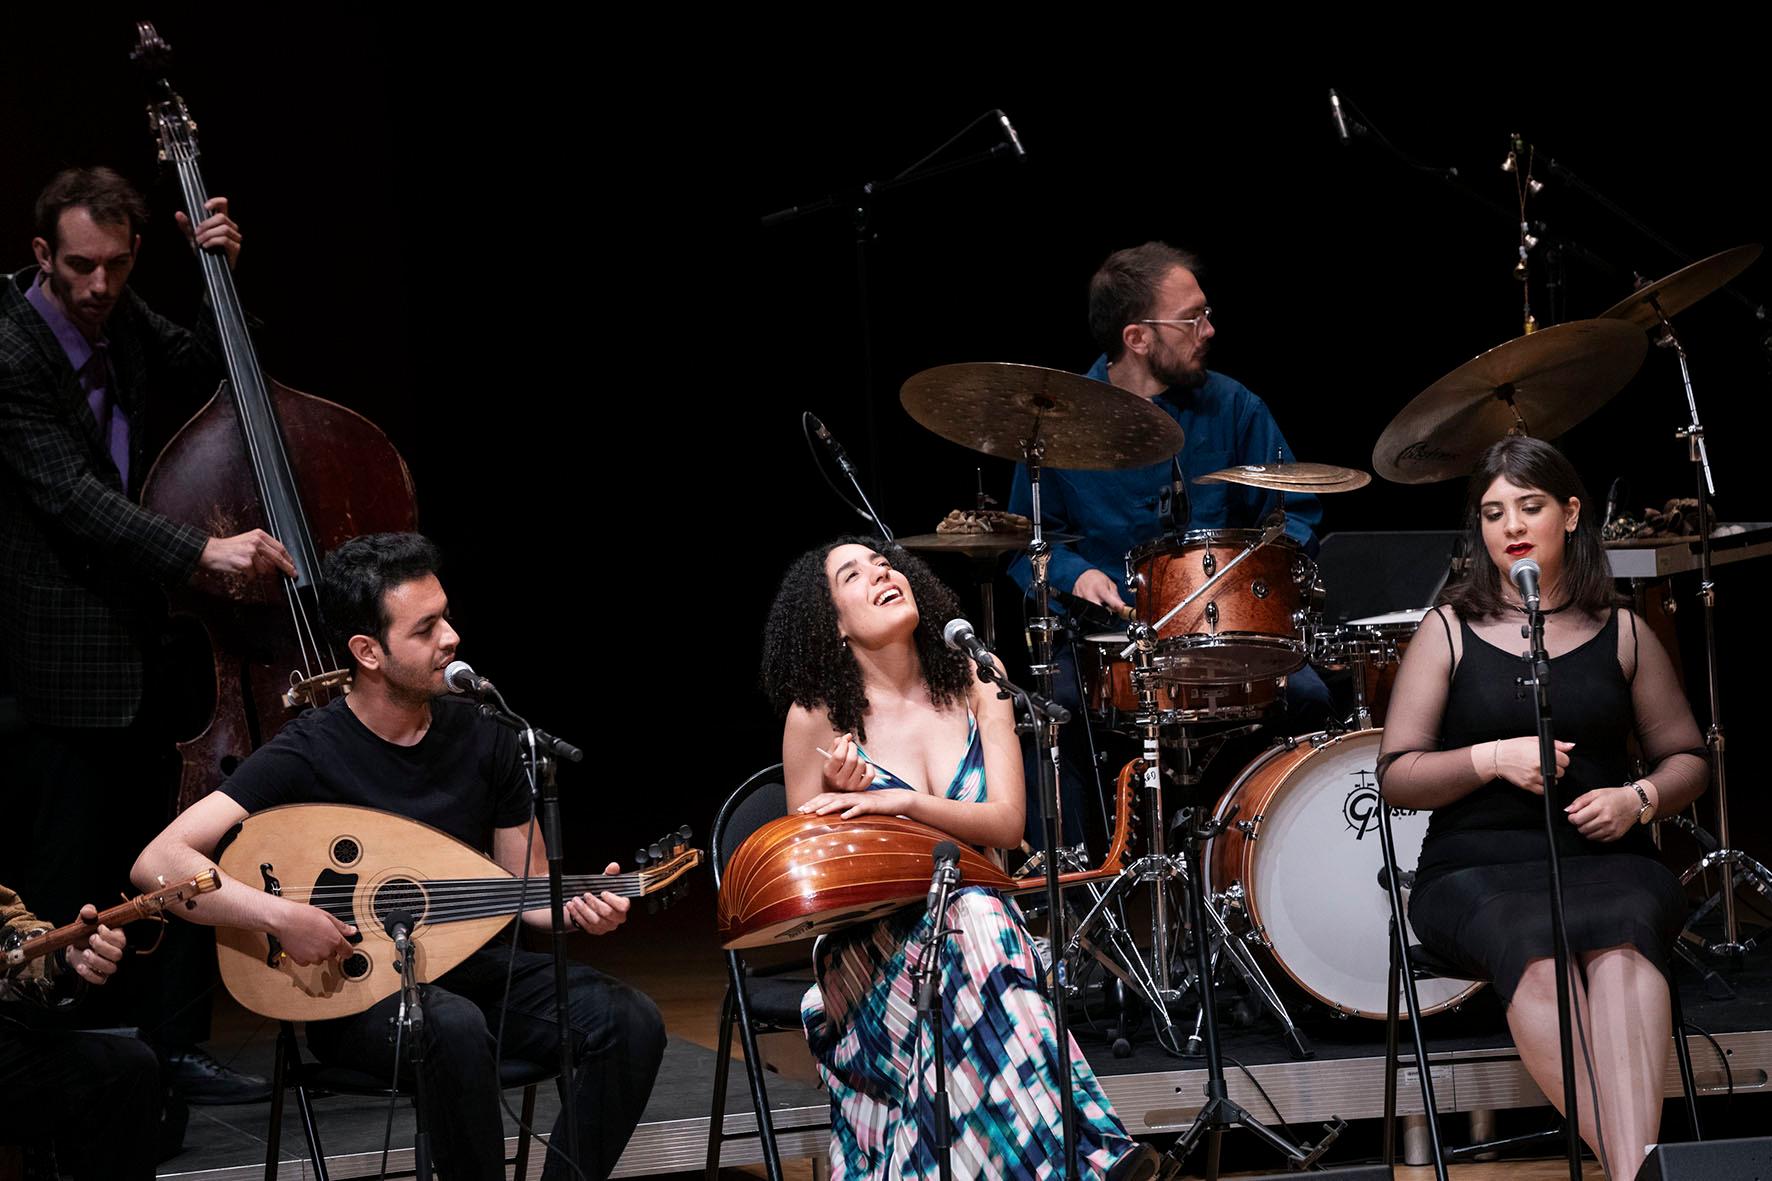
(200, 1079)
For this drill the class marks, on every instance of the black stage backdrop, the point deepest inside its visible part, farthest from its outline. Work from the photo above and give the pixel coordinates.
(534, 258)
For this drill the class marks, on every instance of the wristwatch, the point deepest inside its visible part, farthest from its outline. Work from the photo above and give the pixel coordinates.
(1647, 812)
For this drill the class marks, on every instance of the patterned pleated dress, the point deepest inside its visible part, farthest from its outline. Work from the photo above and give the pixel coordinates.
(1001, 1047)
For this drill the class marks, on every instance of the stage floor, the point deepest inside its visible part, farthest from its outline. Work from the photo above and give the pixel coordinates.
(674, 958)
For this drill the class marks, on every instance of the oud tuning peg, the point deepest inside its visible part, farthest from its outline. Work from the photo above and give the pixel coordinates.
(641, 858)
(686, 834)
(656, 850)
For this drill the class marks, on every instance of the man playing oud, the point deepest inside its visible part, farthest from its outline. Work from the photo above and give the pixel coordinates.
(397, 742)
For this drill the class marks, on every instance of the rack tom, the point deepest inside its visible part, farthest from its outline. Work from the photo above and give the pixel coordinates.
(1248, 627)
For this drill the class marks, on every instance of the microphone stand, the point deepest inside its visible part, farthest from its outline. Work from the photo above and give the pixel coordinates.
(1045, 714)
(538, 749)
(847, 467)
(927, 977)
(1547, 765)
(859, 202)
(408, 1030)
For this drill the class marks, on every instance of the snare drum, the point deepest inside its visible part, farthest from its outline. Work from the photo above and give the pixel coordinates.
(1112, 699)
(1249, 627)
(1301, 860)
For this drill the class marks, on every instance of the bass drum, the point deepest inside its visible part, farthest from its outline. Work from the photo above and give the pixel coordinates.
(1302, 859)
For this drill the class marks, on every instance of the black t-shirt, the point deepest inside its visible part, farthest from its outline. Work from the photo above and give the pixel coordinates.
(464, 776)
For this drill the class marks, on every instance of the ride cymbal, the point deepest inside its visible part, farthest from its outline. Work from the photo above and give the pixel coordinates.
(993, 406)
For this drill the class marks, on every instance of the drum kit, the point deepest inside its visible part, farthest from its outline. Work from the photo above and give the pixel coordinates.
(1290, 895)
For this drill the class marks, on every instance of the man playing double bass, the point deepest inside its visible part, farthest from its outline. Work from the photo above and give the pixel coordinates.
(82, 358)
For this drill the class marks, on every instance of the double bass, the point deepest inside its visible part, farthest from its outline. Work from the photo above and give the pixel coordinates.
(309, 472)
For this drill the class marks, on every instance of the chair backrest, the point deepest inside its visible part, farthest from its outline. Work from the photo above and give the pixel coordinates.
(761, 798)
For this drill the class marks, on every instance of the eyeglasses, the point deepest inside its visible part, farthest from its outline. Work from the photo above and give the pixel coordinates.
(1192, 321)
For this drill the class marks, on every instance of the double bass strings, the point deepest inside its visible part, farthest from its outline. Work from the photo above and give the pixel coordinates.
(252, 399)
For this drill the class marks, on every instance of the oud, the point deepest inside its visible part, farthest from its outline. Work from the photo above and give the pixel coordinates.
(364, 866)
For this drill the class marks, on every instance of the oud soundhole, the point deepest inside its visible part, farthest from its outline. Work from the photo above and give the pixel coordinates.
(356, 966)
(345, 851)
(400, 895)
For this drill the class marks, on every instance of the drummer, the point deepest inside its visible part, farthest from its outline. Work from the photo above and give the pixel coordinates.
(1150, 317)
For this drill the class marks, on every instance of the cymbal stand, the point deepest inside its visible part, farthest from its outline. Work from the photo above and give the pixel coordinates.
(1044, 723)
(1737, 866)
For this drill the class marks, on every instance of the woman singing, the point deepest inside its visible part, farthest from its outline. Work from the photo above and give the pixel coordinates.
(882, 718)
(1461, 739)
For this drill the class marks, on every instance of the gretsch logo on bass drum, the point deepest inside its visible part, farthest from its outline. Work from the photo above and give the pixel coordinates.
(1360, 809)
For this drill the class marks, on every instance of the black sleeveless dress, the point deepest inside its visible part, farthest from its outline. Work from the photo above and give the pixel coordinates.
(1481, 896)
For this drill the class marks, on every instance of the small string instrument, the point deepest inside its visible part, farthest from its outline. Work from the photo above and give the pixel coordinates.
(142, 906)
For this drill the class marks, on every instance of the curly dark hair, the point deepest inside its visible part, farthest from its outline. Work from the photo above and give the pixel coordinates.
(805, 662)
(1535, 464)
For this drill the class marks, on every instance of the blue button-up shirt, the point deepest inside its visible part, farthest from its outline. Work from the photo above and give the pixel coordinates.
(1115, 511)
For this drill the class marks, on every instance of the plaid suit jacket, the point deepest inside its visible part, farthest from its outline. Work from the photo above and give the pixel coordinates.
(80, 560)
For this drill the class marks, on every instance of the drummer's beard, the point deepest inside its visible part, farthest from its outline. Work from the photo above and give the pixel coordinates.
(1180, 374)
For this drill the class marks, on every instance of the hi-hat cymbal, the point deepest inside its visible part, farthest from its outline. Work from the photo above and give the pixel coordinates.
(992, 406)
(1290, 477)
(1675, 293)
(1540, 384)
(979, 544)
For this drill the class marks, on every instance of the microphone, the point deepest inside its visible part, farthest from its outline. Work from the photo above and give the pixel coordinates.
(947, 873)
(1335, 110)
(1014, 139)
(830, 440)
(459, 677)
(958, 636)
(1525, 575)
(398, 924)
(1612, 501)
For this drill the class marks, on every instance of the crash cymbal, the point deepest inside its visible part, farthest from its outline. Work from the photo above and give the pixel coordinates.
(1290, 477)
(979, 544)
(1540, 384)
(1675, 293)
(991, 406)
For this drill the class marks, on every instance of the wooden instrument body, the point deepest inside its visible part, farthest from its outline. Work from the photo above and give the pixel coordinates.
(351, 481)
(260, 455)
(799, 877)
(361, 864)
(302, 847)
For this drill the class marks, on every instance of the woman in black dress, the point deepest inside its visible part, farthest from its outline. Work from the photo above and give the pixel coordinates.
(1461, 739)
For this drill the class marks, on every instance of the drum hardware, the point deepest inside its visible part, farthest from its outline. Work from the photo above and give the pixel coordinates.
(1651, 308)
(1220, 1111)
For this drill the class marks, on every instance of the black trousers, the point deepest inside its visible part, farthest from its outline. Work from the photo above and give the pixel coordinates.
(620, 1041)
(97, 1094)
(90, 800)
